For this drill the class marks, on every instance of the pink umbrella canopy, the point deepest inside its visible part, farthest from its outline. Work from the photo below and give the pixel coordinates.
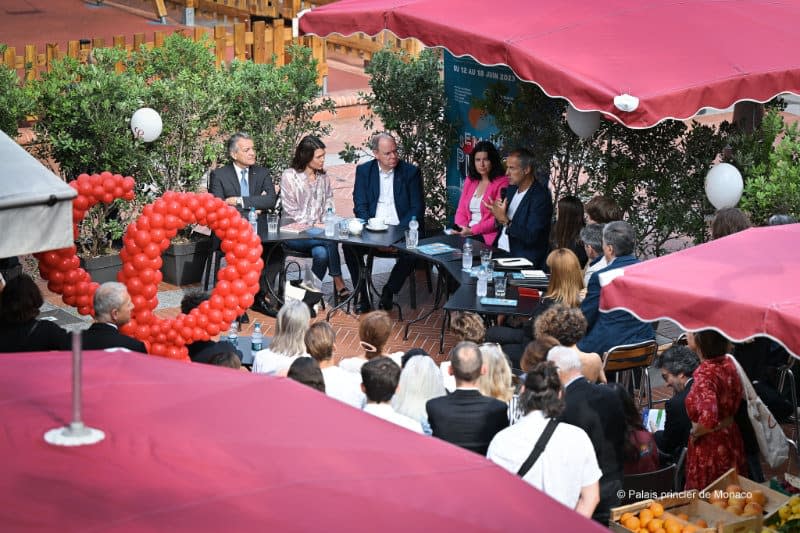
(744, 285)
(674, 57)
(192, 447)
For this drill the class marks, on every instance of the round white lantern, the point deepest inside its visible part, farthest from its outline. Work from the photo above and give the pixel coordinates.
(146, 124)
(583, 123)
(724, 185)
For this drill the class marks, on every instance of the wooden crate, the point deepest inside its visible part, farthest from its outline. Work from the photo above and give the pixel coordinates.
(774, 498)
(690, 504)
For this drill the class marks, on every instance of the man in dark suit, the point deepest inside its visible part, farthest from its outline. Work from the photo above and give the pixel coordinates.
(599, 412)
(677, 366)
(112, 310)
(389, 189)
(466, 417)
(607, 330)
(245, 185)
(525, 213)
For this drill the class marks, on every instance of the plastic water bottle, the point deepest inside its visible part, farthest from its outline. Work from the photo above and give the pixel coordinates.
(233, 333)
(413, 233)
(257, 338)
(466, 257)
(330, 223)
(483, 282)
(253, 219)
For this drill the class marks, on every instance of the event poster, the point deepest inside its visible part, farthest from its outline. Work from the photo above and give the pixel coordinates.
(464, 81)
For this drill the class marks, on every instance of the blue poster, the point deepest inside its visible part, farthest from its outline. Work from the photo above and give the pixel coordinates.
(464, 81)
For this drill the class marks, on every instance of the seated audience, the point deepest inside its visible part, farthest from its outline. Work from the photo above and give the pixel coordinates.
(483, 183)
(204, 351)
(640, 450)
(564, 287)
(606, 330)
(781, 219)
(567, 229)
(467, 418)
(592, 238)
(420, 381)
(413, 352)
(602, 210)
(20, 331)
(677, 366)
(374, 330)
(379, 379)
(568, 326)
(340, 384)
(566, 469)
(112, 310)
(496, 382)
(288, 343)
(468, 326)
(536, 352)
(227, 359)
(728, 221)
(305, 370)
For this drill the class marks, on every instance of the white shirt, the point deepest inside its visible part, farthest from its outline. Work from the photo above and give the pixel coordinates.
(502, 242)
(385, 411)
(268, 362)
(344, 386)
(386, 208)
(475, 210)
(591, 269)
(567, 464)
(354, 364)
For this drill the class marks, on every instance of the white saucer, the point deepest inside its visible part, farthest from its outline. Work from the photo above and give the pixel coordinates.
(377, 228)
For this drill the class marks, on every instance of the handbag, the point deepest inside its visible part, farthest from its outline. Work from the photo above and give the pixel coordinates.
(302, 289)
(769, 434)
(538, 448)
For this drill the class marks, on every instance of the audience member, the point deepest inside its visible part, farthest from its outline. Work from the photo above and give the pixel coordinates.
(536, 351)
(340, 384)
(482, 186)
(305, 370)
(592, 238)
(20, 331)
(379, 379)
(468, 327)
(565, 467)
(420, 381)
(606, 330)
(204, 351)
(374, 330)
(598, 411)
(567, 229)
(413, 352)
(112, 310)
(568, 326)
(227, 359)
(288, 343)
(781, 219)
(640, 450)
(677, 366)
(728, 221)
(391, 190)
(467, 418)
(525, 214)
(496, 382)
(602, 210)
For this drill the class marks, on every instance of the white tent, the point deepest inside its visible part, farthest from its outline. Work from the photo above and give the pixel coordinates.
(35, 204)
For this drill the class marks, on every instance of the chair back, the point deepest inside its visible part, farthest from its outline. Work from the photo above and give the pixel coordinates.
(659, 481)
(630, 356)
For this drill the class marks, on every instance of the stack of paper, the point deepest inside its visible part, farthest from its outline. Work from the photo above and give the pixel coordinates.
(654, 419)
(436, 248)
(295, 227)
(513, 262)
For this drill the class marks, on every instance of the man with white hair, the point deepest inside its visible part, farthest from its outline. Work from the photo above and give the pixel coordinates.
(598, 411)
(112, 310)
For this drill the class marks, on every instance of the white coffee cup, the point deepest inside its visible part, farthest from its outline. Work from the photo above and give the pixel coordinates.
(376, 222)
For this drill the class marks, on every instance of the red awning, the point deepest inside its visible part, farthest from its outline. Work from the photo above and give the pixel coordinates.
(744, 285)
(674, 57)
(192, 447)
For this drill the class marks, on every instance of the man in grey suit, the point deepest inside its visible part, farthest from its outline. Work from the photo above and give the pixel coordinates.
(245, 185)
(466, 417)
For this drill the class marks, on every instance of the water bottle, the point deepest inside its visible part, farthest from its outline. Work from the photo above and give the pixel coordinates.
(233, 333)
(413, 233)
(483, 282)
(257, 339)
(466, 256)
(253, 219)
(330, 223)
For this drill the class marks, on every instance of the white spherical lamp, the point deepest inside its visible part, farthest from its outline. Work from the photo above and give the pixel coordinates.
(146, 124)
(583, 123)
(724, 185)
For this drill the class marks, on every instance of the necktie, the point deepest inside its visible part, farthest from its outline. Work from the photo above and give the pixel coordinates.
(245, 188)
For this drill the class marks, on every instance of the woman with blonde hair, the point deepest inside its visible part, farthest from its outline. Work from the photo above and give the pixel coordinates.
(496, 382)
(564, 288)
(468, 327)
(288, 343)
(420, 381)
(374, 330)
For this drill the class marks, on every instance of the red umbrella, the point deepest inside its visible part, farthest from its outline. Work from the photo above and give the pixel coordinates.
(744, 285)
(196, 448)
(675, 57)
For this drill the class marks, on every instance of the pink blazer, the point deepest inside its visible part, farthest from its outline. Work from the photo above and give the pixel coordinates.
(486, 226)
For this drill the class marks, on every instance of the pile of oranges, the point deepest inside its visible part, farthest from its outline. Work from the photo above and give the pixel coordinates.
(652, 519)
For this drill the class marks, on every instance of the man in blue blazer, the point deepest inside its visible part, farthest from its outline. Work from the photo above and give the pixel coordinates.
(607, 330)
(524, 215)
(389, 189)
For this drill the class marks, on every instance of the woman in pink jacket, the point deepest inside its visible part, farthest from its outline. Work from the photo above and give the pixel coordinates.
(484, 182)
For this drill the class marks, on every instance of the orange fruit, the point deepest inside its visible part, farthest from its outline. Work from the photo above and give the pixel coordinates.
(660, 530)
(655, 524)
(689, 529)
(672, 526)
(683, 516)
(657, 509)
(624, 517)
(632, 523)
(645, 515)
(701, 523)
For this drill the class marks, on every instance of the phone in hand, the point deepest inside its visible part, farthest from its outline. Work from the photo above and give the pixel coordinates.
(503, 194)
(451, 231)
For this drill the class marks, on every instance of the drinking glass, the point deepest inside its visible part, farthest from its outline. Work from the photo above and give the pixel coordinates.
(272, 223)
(486, 258)
(344, 229)
(500, 286)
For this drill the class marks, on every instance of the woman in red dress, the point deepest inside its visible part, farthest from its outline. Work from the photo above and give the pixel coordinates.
(715, 443)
